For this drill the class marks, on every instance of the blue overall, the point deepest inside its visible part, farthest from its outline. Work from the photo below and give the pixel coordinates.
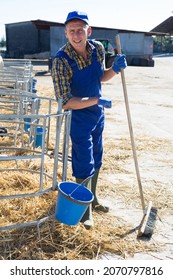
(86, 124)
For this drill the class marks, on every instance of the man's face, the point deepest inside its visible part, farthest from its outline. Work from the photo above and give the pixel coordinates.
(77, 33)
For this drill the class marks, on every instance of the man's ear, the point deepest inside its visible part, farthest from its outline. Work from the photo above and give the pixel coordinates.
(89, 31)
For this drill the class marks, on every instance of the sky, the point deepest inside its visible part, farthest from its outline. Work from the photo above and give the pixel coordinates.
(127, 14)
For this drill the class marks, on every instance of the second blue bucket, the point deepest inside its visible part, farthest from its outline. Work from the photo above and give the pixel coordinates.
(72, 202)
(39, 136)
(27, 124)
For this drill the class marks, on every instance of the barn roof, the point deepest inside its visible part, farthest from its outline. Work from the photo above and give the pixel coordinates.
(43, 24)
(166, 26)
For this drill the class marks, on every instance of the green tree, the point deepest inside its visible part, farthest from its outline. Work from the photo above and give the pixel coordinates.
(163, 44)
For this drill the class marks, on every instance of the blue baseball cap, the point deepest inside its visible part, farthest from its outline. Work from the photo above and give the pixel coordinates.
(77, 15)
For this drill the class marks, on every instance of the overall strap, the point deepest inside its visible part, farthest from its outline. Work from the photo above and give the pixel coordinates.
(63, 54)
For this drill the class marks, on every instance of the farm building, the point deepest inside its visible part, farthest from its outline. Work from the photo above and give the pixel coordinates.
(41, 39)
(29, 37)
(35, 36)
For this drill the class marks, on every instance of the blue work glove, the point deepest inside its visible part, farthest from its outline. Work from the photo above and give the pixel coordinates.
(105, 102)
(119, 63)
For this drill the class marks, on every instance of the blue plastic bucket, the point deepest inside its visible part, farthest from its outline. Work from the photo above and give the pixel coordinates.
(39, 136)
(27, 124)
(72, 202)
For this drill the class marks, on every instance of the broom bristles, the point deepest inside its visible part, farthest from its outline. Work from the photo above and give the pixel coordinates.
(148, 222)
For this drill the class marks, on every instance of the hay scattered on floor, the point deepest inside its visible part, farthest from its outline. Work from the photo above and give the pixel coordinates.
(73, 243)
(16, 182)
(22, 210)
(116, 156)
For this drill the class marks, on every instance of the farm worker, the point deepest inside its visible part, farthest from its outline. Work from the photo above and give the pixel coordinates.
(77, 72)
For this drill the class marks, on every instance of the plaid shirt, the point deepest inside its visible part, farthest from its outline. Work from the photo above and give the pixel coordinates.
(62, 71)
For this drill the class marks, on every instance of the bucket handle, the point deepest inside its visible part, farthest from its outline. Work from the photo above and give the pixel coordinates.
(83, 183)
(86, 180)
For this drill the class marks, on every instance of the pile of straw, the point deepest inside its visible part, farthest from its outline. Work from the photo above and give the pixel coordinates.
(59, 241)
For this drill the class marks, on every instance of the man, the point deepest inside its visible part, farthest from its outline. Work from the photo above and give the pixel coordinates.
(77, 74)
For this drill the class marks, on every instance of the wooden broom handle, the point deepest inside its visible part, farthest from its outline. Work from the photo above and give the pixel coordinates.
(118, 46)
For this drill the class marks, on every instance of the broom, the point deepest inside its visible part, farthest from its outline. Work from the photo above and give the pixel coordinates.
(147, 224)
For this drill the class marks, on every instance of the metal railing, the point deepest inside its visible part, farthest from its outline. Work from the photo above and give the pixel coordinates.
(32, 135)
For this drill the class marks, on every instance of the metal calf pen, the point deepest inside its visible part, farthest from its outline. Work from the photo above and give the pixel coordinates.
(27, 147)
(28, 151)
(17, 75)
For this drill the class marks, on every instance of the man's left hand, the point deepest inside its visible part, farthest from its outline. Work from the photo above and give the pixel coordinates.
(119, 63)
(105, 102)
